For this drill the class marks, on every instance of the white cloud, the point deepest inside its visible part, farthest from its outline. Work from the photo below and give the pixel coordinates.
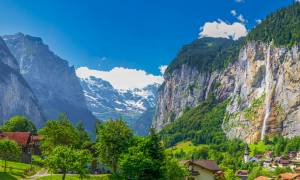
(297, 0)
(222, 29)
(241, 18)
(163, 68)
(121, 78)
(239, 1)
(258, 21)
(233, 12)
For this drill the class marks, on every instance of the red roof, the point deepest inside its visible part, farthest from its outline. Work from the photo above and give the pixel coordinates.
(262, 178)
(21, 138)
(288, 176)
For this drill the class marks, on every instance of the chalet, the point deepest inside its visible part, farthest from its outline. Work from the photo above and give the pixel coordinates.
(23, 139)
(268, 154)
(36, 140)
(242, 174)
(292, 154)
(262, 178)
(202, 169)
(267, 163)
(297, 169)
(289, 176)
(283, 162)
(298, 155)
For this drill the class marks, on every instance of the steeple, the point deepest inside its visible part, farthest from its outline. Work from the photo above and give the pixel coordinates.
(246, 154)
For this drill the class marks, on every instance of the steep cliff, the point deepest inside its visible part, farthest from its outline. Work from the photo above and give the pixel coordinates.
(52, 80)
(197, 70)
(261, 83)
(16, 97)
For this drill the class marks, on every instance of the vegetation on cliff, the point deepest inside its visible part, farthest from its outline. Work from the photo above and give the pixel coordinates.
(281, 27)
(201, 124)
(207, 54)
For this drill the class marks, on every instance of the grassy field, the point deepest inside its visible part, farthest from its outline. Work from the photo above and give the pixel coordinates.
(74, 177)
(186, 147)
(259, 148)
(15, 170)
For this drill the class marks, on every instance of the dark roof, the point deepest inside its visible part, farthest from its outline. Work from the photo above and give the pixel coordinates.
(284, 161)
(206, 164)
(242, 173)
(21, 138)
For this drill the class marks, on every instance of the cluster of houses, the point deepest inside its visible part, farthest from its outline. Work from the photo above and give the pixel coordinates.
(269, 161)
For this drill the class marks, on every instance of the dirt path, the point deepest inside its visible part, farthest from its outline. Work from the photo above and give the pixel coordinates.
(41, 173)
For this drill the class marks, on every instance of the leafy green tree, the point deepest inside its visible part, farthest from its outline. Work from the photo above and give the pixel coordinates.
(19, 124)
(65, 159)
(61, 158)
(82, 158)
(58, 132)
(173, 170)
(113, 139)
(84, 138)
(9, 151)
(259, 171)
(144, 160)
(136, 163)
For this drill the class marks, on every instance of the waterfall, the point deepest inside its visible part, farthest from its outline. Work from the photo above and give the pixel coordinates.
(268, 90)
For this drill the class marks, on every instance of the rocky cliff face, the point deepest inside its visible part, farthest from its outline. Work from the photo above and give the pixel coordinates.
(52, 80)
(16, 97)
(265, 99)
(263, 87)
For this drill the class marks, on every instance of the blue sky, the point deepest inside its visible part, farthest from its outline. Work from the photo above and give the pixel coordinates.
(136, 34)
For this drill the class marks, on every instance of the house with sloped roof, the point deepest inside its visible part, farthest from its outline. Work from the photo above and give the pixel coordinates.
(24, 140)
(242, 174)
(202, 170)
(289, 176)
(262, 178)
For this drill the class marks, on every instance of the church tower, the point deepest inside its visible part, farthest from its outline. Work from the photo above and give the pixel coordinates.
(246, 154)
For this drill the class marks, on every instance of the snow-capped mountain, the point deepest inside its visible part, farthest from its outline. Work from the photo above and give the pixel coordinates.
(107, 102)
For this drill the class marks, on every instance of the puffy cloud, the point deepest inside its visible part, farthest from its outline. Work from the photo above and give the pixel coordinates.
(297, 0)
(222, 29)
(121, 78)
(241, 18)
(238, 17)
(258, 21)
(163, 68)
(233, 12)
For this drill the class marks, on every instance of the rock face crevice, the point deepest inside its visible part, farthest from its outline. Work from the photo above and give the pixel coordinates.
(263, 85)
(16, 97)
(51, 79)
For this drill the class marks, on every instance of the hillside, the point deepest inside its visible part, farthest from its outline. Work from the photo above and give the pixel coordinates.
(259, 83)
(207, 54)
(282, 27)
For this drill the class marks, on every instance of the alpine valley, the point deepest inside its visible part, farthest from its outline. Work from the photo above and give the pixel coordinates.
(242, 88)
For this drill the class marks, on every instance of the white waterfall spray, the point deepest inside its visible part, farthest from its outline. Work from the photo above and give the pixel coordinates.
(268, 91)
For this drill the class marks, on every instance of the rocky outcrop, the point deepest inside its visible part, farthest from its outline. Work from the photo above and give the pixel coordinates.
(16, 97)
(263, 87)
(51, 78)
